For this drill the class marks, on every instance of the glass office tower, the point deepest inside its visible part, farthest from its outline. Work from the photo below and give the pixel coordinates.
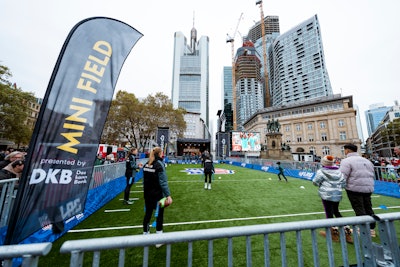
(297, 69)
(227, 98)
(190, 78)
(374, 116)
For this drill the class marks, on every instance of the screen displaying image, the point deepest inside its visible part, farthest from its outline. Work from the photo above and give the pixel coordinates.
(246, 141)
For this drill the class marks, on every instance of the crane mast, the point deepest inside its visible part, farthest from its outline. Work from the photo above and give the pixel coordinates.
(231, 39)
(264, 45)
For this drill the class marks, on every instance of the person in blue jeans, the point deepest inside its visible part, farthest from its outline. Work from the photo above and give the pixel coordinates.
(280, 171)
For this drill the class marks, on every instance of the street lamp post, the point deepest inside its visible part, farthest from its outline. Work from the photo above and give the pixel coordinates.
(205, 128)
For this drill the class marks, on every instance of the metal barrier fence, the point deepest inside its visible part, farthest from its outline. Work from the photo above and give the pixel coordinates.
(7, 197)
(367, 253)
(382, 173)
(30, 253)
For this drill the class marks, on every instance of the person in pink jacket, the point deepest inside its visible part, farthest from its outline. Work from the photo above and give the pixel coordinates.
(360, 181)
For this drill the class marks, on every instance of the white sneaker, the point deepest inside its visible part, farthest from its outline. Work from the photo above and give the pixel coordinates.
(209, 186)
(205, 185)
(159, 245)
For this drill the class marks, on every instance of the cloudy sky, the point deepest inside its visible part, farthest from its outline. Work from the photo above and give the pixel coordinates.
(360, 39)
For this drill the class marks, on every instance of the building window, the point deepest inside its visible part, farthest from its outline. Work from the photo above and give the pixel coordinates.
(322, 125)
(325, 150)
(341, 123)
(299, 138)
(310, 126)
(342, 152)
(298, 127)
(288, 139)
(313, 150)
(311, 138)
(342, 135)
(287, 128)
(324, 137)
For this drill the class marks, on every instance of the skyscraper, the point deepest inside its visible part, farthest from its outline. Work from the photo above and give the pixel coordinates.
(374, 116)
(227, 98)
(297, 69)
(271, 24)
(190, 78)
(249, 83)
(272, 31)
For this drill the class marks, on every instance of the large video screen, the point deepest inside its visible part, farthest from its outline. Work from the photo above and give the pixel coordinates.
(246, 141)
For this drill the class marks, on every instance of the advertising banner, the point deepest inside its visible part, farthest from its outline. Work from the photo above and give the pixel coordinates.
(223, 145)
(59, 165)
(162, 139)
(246, 141)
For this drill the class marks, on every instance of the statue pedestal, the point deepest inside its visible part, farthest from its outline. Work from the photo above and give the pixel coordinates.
(274, 148)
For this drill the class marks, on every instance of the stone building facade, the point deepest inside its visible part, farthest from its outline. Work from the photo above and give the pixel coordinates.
(320, 126)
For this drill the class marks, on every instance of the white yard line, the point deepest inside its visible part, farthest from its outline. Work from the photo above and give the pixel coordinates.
(213, 221)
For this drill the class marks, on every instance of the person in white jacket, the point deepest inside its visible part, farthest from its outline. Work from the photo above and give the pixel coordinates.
(331, 183)
(360, 181)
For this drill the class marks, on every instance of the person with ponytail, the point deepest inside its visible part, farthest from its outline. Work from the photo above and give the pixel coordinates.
(155, 188)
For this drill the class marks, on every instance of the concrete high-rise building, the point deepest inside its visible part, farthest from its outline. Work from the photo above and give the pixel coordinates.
(297, 70)
(374, 116)
(271, 24)
(249, 83)
(190, 77)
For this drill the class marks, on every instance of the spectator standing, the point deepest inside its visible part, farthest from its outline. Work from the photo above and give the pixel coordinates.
(11, 157)
(155, 188)
(397, 151)
(109, 159)
(208, 172)
(131, 168)
(330, 182)
(359, 175)
(281, 171)
(12, 170)
(99, 160)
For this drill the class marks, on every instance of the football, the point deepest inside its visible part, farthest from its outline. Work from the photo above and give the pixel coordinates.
(165, 202)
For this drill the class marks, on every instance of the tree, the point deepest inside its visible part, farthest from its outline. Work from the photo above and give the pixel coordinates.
(14, 110)
(137, 121)
(391, 133)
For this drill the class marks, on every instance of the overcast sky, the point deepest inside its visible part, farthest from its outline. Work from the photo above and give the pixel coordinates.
(360, 38)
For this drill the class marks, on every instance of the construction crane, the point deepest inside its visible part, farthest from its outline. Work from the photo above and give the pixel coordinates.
(264, 46)
(231, 39)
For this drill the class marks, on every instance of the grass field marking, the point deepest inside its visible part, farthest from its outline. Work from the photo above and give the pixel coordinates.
(219, 180)
(213, 221)
(131, 198)
(118, 210)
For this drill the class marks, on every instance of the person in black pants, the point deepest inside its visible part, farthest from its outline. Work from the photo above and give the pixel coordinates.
(208, 172)
(280, 169)
(131, 168)
(155, 188)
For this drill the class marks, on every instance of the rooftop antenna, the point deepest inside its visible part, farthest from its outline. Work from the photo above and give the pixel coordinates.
(193, 37)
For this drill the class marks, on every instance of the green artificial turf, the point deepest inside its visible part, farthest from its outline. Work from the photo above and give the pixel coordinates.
(247, 197)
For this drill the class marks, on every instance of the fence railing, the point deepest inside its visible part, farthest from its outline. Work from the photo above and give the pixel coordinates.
(30, 253)
(367, 253)
(7, 197)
